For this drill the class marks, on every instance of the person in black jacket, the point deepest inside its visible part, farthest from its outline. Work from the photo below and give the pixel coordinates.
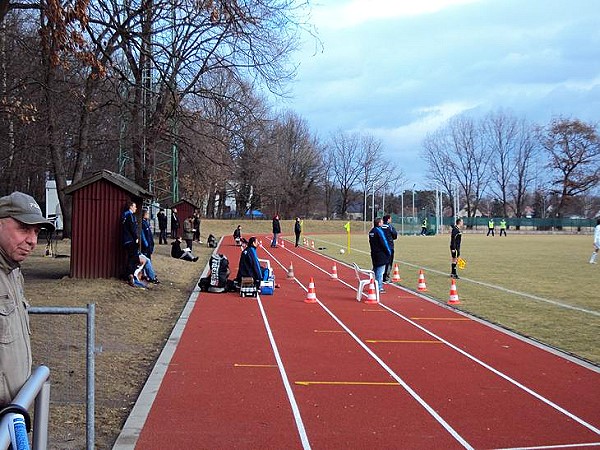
(391, 235)
(130, 237)
(297, 230)
(179, 253)
(276, 230)
(174, 224)
(162, 226)
(455, 239)
(249, 265)
(380, 251)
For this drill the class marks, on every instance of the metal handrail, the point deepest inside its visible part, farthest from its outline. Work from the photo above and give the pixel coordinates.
(36, 389)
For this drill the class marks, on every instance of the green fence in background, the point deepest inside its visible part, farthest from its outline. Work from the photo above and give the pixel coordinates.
(412, 225)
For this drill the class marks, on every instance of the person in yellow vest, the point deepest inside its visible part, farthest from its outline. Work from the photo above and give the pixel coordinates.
(490, 227)
(503, 227)
(424, 227)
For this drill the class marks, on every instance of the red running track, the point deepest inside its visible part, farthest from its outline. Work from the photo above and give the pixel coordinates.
(276, 372)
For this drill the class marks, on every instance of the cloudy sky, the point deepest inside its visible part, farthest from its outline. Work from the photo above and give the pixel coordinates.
(398, 69)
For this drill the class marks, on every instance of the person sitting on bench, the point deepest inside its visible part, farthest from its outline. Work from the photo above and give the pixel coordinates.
(249, 265)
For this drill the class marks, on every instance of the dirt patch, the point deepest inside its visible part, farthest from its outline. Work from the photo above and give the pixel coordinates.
(132, 326)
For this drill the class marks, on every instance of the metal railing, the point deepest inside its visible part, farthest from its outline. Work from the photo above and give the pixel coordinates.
(37, 388)
(90, 312)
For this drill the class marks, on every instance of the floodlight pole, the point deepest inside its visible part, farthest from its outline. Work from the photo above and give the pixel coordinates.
(413, 204)
(402, 212)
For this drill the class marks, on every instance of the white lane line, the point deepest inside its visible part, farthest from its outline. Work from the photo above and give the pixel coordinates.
(395, 376)
(286, 382)
(483, 364)
(544, 447)
(493, 286)
(496, 371)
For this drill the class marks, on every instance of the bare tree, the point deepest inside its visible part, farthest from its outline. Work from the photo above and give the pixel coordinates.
(455, 152)
(511, 145)
(573, 148)
(436, 153)
(347, 157)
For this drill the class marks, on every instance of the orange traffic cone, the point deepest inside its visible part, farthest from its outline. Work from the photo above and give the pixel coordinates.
(311, 295)
(282, 243)
(453, 300)
(396, 274)
(290, 273)
(421, 286)
(372, 295)
(334, 272)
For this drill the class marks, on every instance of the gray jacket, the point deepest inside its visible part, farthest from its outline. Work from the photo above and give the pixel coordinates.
(15, 346)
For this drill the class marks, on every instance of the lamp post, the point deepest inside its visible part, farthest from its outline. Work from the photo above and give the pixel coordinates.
(413, 205)
(402, 213)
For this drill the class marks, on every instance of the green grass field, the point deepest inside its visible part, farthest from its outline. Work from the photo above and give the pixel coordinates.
(541, 286)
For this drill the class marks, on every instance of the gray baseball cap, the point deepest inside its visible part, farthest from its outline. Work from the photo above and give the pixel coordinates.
(24, 208)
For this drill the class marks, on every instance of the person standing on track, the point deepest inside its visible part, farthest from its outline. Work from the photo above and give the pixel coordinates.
(455, 239)
(276, 230)
(391, 235)
(297, 230)
(380, 251)
(596, 242)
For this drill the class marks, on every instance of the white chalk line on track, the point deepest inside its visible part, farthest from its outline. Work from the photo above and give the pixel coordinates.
(493, 286)
(464, 353)
(393, 374)
(286, 382)
(544, 447)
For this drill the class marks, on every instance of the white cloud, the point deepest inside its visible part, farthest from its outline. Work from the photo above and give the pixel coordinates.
(347, 14)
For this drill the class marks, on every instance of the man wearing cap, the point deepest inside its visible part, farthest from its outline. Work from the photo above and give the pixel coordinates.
(20, 222)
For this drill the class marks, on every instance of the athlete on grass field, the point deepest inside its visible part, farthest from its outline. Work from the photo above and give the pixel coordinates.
(596, 242)
(455, 239)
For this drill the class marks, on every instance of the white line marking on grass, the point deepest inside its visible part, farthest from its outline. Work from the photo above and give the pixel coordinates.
(493, 286)
(496, 372)
(395, 376)
(286, 382)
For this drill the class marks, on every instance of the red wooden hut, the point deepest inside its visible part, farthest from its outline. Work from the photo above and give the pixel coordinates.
(98, 203)
(185, 209)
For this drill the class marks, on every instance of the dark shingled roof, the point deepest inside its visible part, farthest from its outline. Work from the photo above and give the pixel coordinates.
(114, 178)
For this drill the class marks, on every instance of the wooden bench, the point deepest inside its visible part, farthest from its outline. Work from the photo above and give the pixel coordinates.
(364, 277)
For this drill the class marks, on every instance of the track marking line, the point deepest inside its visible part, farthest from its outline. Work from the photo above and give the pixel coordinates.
(377, 359)
(347, 383)
(543, 447)
(493, 286)
(497, 372)
(458, 319)
(284, 378)
(266, 366)
(399, 341)
(464, 353)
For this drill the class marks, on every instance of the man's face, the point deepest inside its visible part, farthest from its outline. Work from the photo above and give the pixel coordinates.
(17, 239)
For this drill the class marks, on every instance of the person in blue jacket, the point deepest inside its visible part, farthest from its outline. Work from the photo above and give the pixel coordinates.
(380, 251)
(147, 237)
(249, 265)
